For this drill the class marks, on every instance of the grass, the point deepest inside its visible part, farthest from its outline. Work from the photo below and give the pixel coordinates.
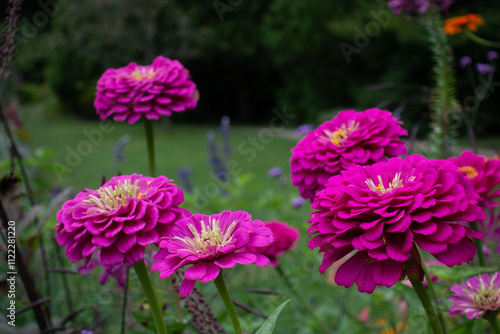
(79, 163)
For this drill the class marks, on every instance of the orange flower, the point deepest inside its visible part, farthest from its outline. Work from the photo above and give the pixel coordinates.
(454, 25)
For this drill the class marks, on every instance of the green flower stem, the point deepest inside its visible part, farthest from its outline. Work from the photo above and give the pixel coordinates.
(221, 286)
(430, 286)
(480, 40)
(302, 300)
(142, 273)
(148, 127)
(427, 304)
(494, 324)
(479, 245)
(124, 306)
(177, 299)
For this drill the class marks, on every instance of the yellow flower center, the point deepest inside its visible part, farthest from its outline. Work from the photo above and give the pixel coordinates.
(110, 198)
(211, 235)
(468, 171)
(143, 72)
(338, 137)
(381, 189)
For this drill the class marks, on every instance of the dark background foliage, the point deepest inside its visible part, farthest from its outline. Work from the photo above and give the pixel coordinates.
(248, 57)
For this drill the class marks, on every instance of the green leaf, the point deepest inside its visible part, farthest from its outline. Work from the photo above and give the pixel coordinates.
(458, 272)
(268, 325)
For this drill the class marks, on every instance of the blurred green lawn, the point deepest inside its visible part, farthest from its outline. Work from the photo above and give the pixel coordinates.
(176, 146)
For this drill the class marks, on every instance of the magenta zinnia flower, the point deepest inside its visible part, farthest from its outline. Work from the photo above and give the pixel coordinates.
(156, 90)
(211, 243)
(285, 239)
(350, 138)
(483, 173)
(121, 218)
(378, 213)
(477, 297)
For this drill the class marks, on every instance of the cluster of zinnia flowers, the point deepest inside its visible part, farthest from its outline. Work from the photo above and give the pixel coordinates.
(478, 297)
(133, 91)
(455, 24)
(417, 6)
(350, 138)
(378, 213)
(210, 244)
(119, 219)
(285, 239)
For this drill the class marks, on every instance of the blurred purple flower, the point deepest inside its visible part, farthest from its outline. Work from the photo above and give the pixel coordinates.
(492, 55)
(214, 159)
(117, 150)
(184, 175)
(84, 331)
(303, 130)
(465, 61)
(118, 271)
(275, 172)
(484, 68)
(418, 6)
(297, 202)
(224, 130)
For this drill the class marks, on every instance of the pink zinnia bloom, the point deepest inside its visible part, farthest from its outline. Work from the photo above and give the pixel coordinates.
(380, 212)
(155, 90)
(120, 218)
(350, 138)
(478, 296)
(483, 173)
(285, 238)
(211, 243)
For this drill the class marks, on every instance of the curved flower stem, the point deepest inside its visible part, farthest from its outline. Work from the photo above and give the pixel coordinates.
(302, 300)
(479, 245)
(494, 324)
(427, 304)
(430, 286)
(148, 127)
(124, 306)
(221, 287)
(142, 273)
(480, 40)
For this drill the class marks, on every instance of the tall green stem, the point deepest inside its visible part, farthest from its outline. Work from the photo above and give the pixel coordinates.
(493, 324)
(142, 273)
(430, 286)
(479, 245)
(221, 286)
(148, 127)
(125, 294)
(302, 300)
(427, 304)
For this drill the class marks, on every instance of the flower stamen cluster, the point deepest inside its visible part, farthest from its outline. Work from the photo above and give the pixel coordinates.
(339, 136)
(211, 235)
(110, 198)
(381, 189)
(468, 171)
(142, 72)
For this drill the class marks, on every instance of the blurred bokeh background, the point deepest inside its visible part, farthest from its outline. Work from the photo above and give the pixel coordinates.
(246, 57)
